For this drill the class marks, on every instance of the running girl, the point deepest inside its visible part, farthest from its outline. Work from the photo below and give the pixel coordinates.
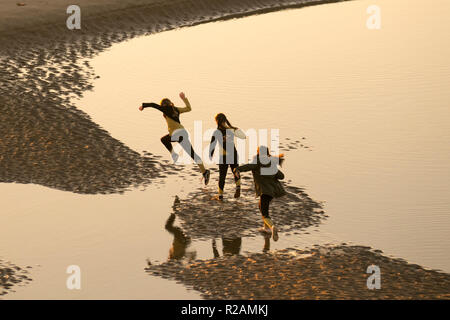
(177, 133)
(267, 184)
(225, 134)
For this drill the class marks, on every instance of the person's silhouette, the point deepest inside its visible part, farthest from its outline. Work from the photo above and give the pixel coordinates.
(230, 246)
(180, 240)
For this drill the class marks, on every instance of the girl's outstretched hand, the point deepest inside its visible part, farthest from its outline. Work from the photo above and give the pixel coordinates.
(141, 108)
(182, 95)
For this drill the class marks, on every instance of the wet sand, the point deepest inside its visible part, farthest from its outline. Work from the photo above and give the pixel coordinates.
(44, 139)
(11, 276)
(321, 273)
(202, 218)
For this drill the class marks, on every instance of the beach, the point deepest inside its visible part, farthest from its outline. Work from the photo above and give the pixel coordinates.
(45, 140)
(322, 273)
(44, 64)
(51, 148)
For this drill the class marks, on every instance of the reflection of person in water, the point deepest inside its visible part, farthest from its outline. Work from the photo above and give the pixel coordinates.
(266, 247)
(230, 246)
(180, 240)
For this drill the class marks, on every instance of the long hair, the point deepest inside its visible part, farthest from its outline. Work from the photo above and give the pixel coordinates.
(168, 104)
(223, 122)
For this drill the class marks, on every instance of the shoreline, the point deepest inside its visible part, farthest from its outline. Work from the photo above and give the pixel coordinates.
(47, 140)
(34, 19)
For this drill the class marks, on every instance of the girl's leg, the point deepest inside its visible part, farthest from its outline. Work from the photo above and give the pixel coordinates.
(264, 203)
(223, 168)
(166, 141)
(237, 180)
(263, 208)
(187, 146)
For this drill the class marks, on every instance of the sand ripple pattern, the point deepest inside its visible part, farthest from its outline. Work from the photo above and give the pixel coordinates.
(203, 218)
(11, 276)
(44, 139)
(321, 273)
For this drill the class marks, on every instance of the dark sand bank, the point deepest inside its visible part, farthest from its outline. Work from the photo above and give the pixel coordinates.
(45, 17)
(10, 276)
(324, 272)
(203, 218)
(321, 273)
(44, 139)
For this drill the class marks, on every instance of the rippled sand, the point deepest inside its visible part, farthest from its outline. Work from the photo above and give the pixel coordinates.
(321, 273)
(324, 272)
(45, 140)
(11, 276)
(203, 218)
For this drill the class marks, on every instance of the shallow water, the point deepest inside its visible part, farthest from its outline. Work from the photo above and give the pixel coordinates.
(372, 105)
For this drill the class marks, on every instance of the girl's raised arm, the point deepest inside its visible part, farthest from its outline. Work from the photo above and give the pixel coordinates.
(186, 102)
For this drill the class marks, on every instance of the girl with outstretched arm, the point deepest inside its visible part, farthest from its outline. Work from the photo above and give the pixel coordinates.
(266, 176)
(177, 133)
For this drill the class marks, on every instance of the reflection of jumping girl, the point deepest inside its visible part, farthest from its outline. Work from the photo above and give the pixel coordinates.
(266, 177)
(177, 133)
(180, 240)
(224, 135)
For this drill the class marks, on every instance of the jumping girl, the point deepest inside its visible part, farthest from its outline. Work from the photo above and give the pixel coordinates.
(267, 185)
(177, 132)
(225, 134)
